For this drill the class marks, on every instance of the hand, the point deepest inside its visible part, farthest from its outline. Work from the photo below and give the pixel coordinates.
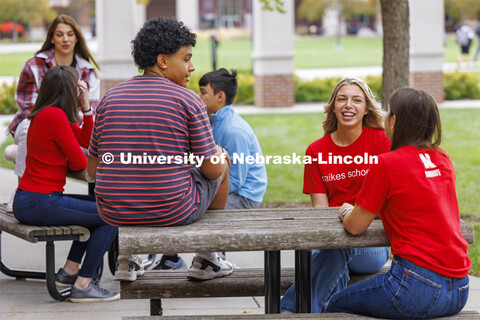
(344, 209)
(220, 151)
(83, 95)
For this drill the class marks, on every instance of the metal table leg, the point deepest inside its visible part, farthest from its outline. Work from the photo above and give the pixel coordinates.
(50, 274)
(303, 281)
(272, 282)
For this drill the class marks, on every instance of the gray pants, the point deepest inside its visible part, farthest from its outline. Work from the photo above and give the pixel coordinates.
(236, 201)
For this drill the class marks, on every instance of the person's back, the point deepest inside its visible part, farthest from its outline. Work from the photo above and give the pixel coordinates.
(410, 171)
(149, 125)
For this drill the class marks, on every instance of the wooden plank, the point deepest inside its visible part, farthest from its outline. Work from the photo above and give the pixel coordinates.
(9, 224)
(464, 315)
(246, 282)
(243, 282)
(256, 230)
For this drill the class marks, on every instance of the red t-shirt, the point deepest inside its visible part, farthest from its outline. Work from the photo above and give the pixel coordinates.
(53, 148)
(413, 190)
(342, 181)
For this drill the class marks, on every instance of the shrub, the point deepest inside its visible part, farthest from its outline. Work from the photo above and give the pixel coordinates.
(7, 98)
(461, 86)
(245, 89)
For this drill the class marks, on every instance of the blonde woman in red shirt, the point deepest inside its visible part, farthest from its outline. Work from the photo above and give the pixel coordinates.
(53, 147)
(353, 127)
(412, 189)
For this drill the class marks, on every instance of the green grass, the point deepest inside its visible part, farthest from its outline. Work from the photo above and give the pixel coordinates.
(310, 52)
(474, 252)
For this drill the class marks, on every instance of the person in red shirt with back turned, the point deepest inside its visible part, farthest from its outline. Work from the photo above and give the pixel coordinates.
(53, 147)
(413, 190)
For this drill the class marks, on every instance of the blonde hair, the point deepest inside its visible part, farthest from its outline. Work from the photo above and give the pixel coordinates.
(374, 117)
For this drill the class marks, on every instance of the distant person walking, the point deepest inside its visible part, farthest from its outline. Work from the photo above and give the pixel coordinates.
(464, 37)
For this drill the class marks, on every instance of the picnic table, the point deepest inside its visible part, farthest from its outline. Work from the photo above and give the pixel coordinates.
(269, 230)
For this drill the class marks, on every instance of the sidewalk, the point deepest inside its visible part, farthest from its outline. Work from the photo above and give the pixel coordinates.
(29, 299)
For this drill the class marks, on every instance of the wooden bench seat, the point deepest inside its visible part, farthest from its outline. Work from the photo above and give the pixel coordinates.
(243, 282)
(35, 234)
(464, 315)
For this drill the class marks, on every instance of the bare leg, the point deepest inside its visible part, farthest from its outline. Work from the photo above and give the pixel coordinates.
(71, 267)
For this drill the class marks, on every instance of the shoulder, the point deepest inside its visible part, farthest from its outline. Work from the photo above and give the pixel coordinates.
(320, 143)
(83, 63)
(377, 133)
(52, 113)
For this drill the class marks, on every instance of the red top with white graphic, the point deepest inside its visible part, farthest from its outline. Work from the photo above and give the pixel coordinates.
(413, 190)
(342, 182)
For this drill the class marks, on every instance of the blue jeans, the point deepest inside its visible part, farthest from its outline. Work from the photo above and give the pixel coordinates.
(57, 209)
(331, 273)
(406, 291)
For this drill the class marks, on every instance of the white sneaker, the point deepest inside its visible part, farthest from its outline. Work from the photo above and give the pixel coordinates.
(129, 268)
(205, 267)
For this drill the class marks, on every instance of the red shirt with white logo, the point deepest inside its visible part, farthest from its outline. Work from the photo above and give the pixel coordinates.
(413, 190)
(342, 181)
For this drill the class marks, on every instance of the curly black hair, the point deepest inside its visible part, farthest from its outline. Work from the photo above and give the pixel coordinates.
(160, 36)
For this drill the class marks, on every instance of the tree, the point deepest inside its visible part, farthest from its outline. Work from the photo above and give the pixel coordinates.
(462, 10)
(396, 46)
(25, 11)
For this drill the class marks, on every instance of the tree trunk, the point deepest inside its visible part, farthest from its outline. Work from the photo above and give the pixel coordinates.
(396, 46)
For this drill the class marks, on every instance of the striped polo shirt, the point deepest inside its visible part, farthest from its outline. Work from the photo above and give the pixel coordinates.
(146, 129)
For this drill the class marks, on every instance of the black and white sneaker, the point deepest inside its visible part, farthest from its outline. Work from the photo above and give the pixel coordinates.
(129, 268)
(205, 267)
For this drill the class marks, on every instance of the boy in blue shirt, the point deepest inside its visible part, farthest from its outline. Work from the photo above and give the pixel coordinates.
(248, 182)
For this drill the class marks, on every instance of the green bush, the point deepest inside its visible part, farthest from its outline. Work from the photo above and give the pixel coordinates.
(7, 98)
(461, 86)
(245, 89)
(314, 90)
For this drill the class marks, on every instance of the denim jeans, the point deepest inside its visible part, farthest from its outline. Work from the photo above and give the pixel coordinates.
(331, 272)
(57, 209)
(406, 291)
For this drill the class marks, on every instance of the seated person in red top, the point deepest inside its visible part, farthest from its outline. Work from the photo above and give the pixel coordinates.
(53, 147)
(152, 147)
(353, 127)
(413, 190)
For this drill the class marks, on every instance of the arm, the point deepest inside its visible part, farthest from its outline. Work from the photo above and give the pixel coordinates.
(92, 164)
(211, 170)
(93, 88)
(84, 133)
(319, 200)
(356, 220)
(27, 91)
